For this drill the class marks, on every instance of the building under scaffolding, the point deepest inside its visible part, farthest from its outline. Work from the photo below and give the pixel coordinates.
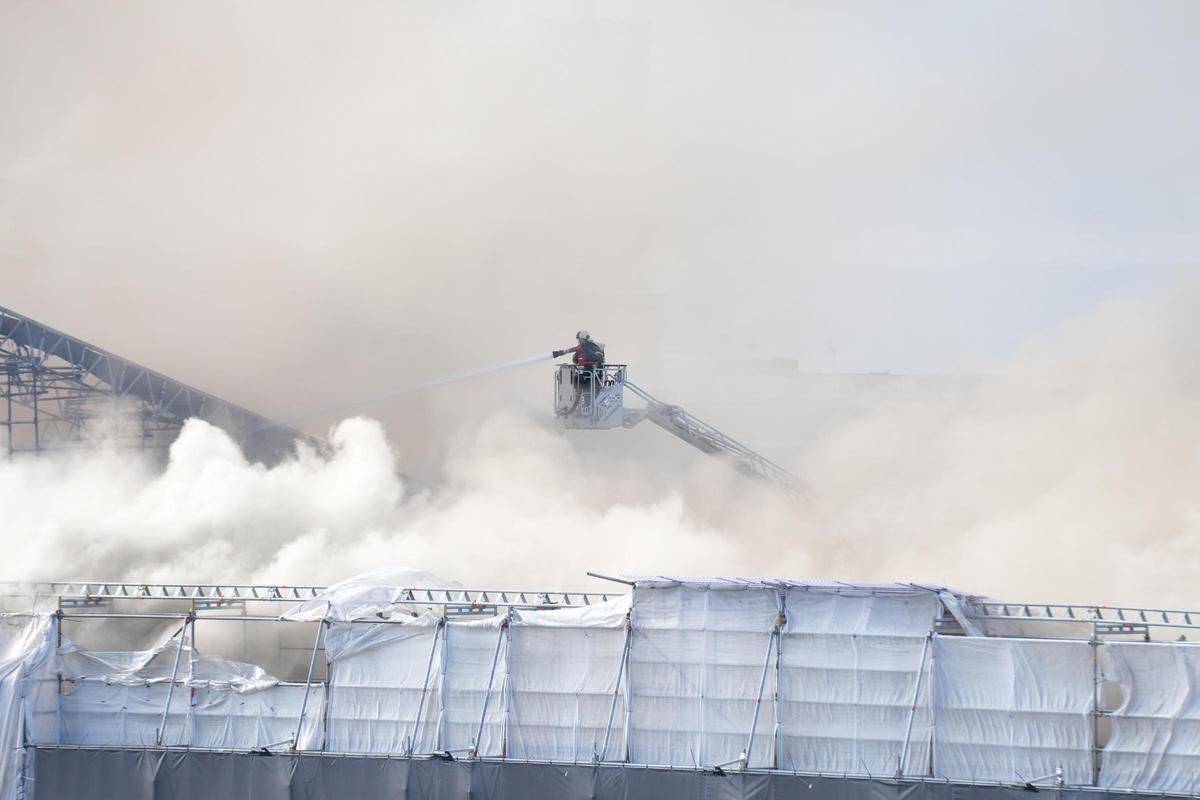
(58, 391)
(673, 688)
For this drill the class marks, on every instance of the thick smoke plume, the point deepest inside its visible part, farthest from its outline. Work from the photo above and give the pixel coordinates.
(1071, 472)
(303, 205)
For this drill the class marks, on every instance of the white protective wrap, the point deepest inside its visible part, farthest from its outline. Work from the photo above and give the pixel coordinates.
(476, 656)
(93, 712)
(26, 644)
(366, 595)
(224, 719)
(1155, 742)
(1012, 710)
(117, 699)
(564, 665)
(379, 674)
(696, 663)
(849, 672)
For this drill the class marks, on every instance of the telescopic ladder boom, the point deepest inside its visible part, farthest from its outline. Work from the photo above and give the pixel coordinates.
(592, 398)
(699, 434)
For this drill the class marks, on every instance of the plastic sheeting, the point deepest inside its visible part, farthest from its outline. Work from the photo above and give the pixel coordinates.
(92, 712)
(475, 672)
(25, 643)
(118, 698)
(367, 595)
(696, 664)
(157, 665)
(564, 666)
(379, 674)
(849, 673)
(1012, 710)
(223, 719)
(1155, 742)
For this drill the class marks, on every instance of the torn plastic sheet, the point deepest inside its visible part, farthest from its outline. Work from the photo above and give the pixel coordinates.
(368, 595)
(127, 668)
(156, 665)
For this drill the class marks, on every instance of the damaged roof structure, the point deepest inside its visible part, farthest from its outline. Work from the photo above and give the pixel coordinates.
(679, 680)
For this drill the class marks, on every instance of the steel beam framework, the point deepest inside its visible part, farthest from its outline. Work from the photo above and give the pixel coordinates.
(56, 389)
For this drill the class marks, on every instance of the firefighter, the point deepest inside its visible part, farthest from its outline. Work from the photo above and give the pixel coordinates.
(587, 353)
(588, 357)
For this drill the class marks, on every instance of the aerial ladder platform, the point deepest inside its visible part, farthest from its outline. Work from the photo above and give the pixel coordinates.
(593, 398)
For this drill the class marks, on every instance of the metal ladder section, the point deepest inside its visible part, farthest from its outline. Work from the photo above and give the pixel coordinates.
(86, 593)
(705, 437)
(1107, 619)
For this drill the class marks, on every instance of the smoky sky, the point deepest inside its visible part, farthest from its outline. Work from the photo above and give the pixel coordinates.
(299, 204)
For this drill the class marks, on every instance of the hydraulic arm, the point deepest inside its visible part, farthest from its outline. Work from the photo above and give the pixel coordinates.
(592, 397)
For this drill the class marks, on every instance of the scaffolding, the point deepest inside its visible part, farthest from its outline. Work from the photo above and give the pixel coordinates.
(59, 391)
(490, 617)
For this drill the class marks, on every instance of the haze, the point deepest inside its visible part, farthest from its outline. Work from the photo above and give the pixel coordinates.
(297, 206)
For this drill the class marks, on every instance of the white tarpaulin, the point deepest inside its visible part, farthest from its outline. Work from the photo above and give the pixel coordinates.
(475, 657)
(26, 642)
(367, 595)
(381, 676)
(1012, 710)
(225, 719)
(696, 662)
(118, 698)
(563, 672)
(1155, 741)
(848, 673)
(92, 712)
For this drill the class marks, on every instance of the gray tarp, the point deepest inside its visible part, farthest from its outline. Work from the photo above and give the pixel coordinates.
(80, 774)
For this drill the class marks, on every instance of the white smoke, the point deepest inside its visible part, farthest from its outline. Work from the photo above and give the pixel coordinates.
(519, 508)
(1071, 473)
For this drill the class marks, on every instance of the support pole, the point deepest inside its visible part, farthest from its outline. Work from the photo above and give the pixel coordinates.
(312, 665)
(37, 433)
(506, 687)
(437, 632)
(8, 418)
(191, 714)
(440, 733)
(912, 712)
(58, 616)
(629, 694)
(23, 751)
(762, 686)
(1096, 686)
(779, 692)
(932, 702)
(612, 709)
(328, 682)
(487, 696)
(162, 725)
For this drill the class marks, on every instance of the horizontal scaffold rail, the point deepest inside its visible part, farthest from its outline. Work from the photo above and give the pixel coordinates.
(1068, 612)
(116, 590)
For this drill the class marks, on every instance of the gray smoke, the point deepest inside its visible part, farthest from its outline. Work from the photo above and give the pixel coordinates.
(300, 206)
